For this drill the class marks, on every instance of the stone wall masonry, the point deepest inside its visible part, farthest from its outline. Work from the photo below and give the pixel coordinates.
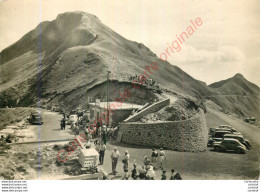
(151, 109)
(187, 135)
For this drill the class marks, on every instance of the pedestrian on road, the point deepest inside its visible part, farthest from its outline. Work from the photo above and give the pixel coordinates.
(114, 157)
(154, 157)
(125, 161)
(162, 158)
(102, 153)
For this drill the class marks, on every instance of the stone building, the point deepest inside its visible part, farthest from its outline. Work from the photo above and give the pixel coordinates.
(118, 112)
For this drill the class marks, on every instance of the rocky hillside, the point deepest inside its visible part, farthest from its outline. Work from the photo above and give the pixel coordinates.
(61, 61)
(237, 95)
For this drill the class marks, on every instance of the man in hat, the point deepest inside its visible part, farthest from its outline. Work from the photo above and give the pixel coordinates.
(114, 157)
(162, 158)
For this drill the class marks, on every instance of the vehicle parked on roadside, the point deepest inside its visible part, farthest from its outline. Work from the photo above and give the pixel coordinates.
(36, 118)
(229, 144)
(217, 136)
(239, 138)
(56, 109)
(224, 128)
(72, 119)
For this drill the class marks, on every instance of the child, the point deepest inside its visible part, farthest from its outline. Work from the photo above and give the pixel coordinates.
(163, 175)
(134, 173)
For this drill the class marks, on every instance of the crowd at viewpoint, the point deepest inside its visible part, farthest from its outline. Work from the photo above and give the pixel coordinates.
(147, 169)
(147, 81)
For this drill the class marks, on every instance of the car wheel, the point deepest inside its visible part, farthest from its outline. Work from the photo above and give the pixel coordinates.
(217, 148)
(238, 151)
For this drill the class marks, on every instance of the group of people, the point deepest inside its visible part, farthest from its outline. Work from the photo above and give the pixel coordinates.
(147, 171)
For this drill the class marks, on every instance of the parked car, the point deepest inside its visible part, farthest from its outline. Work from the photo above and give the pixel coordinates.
(56, 109)
(224, 126)
(36, 118)
(239, 138)
(72, 119)
(228, 128)
(217, 136)
(229, 144)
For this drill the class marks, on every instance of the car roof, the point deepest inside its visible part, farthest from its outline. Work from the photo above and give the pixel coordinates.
(223, 131)
(233, 135)
(224, 126)
(230, 139)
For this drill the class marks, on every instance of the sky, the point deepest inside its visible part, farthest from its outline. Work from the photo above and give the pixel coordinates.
(226, 43)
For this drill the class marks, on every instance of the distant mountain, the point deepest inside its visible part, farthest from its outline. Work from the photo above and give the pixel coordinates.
(236, 85)
(237, 95)
(66, 60)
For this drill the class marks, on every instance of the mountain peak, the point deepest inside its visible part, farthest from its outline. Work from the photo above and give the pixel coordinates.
(239, 75)
(76, 14)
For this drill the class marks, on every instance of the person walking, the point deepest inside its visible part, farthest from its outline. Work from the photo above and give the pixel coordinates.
(154, 157)
(114, 157)
(125, 161)
(162, 158)
(102, 153)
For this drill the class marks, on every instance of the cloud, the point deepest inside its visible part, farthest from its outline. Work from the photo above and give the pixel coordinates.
(219, 63)
(221, 55)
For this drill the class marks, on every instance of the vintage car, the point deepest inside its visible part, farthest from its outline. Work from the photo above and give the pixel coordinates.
(36, 118)
(217, 136)
(225, 128)
(229, 144)
(239, 138)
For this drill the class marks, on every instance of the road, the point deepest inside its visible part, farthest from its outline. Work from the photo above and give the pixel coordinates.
(50, 129)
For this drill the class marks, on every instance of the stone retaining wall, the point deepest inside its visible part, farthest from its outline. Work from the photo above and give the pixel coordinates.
(186, 135)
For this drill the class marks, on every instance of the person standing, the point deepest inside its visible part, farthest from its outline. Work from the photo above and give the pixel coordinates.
(134, 172)
(162, 158)
(125, 161)
(102, 153)
(114, 157)
(150, 175)
(154, 157)
(104, 134)
(163, 175)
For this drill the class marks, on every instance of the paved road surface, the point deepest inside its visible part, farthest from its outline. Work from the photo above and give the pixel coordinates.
(50, 129)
